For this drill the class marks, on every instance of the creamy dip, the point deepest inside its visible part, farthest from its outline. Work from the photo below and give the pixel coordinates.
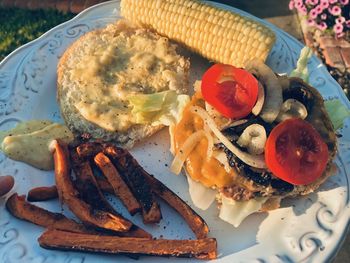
(120, 62)
(29, 142)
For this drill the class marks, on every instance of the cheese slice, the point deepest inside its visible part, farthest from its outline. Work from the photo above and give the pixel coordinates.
(234, 212)
(202, 196)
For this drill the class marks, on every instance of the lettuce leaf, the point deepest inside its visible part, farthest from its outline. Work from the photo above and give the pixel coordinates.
(337, 112)
(301, 70)
(158, 108)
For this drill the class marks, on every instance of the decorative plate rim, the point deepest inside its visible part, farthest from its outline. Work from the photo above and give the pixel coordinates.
(85, 14)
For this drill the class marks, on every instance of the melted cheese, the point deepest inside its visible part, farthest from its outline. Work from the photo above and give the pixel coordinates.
(209, 172)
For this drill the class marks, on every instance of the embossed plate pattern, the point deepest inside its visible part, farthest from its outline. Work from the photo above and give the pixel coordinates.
(308, 229)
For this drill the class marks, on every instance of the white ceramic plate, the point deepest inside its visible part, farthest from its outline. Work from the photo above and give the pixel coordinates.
(305, 229)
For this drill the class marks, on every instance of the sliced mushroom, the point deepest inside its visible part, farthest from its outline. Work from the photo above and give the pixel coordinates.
(292, 108)
(273, 92)
(284, 81)
(257, 161)
(260, 101)
(253, 138)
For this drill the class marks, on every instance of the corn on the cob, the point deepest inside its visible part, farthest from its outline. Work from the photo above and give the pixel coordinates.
(219, 35)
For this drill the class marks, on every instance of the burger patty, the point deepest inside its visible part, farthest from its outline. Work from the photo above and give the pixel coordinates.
(255, 183)
(261, 183)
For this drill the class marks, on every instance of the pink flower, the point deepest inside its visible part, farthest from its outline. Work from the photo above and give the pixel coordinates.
(313, 2)
(324, 5)
(324, 16)
(322, 26)
(319, 9)
(340, 20)
(303, 11)
(338, 28)
(333, 1)
(344, 2)
(313, 14)
(335, 10)
(298, 4)
(347, 23)
(291, 5)
(311, 22)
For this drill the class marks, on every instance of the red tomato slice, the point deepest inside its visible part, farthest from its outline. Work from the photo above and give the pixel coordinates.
(231, 91)
(295, 152)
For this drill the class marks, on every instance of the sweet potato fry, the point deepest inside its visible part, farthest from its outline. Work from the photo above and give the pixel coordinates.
(45, 193)
(201, 248)
(134, 231)
(121, 189)
(70, 196)
(42, 193)
(104, 185)
(91, 193)
(87, 185)
(120, 157)
(88, 150)
(195, 222)
(21, 209)
(124, 163)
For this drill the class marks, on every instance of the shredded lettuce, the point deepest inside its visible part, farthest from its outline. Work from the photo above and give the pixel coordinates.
(158, 108)
(337, 112)
(301, 70)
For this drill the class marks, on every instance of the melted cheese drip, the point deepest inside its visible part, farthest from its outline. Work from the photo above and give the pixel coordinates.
(209, 172)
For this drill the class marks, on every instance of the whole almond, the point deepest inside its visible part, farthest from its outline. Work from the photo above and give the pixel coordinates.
(6, 184)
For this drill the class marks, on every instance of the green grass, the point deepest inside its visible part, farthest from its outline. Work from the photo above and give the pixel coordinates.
(19, 26)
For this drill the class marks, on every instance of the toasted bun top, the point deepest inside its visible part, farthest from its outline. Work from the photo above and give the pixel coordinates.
(102, 69)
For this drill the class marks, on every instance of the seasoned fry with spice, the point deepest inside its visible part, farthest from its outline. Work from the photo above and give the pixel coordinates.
(104, 185)
(88, 150)
(21, 209)
(133, 177)
(201, 249)
(45, 193)
(69, 195)
(87, 185)
(195, 222)
(120, 188)
(90, 191)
